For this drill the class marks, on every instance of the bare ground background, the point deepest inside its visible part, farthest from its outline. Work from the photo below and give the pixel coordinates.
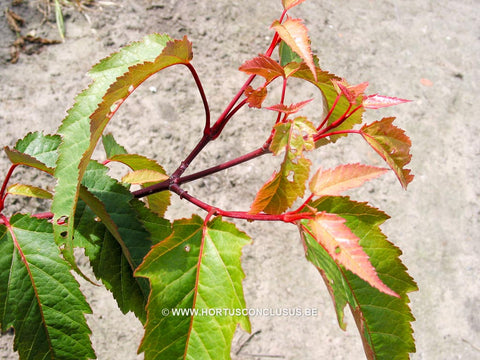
(426, 50)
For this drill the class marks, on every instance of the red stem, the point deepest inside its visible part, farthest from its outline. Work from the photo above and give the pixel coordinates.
(203, 96)
(344, 117)
(3, 195)
(330, 112)
(182, 180)
(211, 133)
(339, 132)
(288, 217)
(223, 118)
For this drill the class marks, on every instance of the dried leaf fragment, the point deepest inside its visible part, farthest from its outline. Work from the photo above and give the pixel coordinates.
(14, 20)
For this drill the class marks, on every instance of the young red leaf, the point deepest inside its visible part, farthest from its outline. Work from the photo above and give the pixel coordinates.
(335, 181)
(288, 4)
(351, 92)
(392, 145)
(343, 246)
(256, 97)
(379, 101)
(295, 35)
(263, 66)
(289, 109)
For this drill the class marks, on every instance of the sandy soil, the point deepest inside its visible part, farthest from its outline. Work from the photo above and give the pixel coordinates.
(426, 50)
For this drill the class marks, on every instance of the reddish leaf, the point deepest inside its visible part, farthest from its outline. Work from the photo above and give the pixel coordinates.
(288, 4)
(335, 181)
(289, 109)
(256, 97)
(392, 145)
(379, 101)
(343, 246)
(263, 66)
(295, 35)
(351, 92)
(285, 186)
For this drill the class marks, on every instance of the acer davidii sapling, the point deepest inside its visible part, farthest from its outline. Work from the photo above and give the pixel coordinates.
(150, 263)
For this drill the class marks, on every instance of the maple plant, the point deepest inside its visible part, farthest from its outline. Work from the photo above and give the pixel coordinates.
(153, 265)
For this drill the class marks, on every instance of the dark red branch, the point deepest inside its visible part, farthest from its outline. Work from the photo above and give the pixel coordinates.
(340, 132)
(344, 117)
(288, 217)
(164, 185)
(203, 96)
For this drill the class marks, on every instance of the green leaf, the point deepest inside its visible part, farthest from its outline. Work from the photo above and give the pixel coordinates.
(287, 55)
(196, 269)
(111, 146)
(116, 199)
(383, 321)
(296, 135)
(29, 190)
(39, 297)
(41, 147)
(117, 231)
(35, 150)
(157, 202)
(82, 127)
(391, 143)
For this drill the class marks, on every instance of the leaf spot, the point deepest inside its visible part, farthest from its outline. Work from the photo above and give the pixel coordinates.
(62, 220)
